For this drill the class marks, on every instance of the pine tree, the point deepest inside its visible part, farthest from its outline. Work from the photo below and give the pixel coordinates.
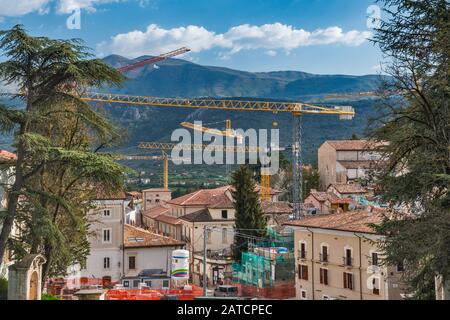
(249, 219)
(56, 136)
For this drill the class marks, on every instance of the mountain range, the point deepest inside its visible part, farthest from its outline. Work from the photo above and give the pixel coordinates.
(181, 78)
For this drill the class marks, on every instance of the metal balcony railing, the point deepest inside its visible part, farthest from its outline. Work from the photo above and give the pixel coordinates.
(347, 261)
(323, 257)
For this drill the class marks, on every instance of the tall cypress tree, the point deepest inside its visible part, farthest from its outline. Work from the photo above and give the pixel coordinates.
(250, 220)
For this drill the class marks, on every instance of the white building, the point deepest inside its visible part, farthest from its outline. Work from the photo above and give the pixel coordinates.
(106, 236)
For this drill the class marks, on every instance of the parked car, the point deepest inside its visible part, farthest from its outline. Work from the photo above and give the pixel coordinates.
(226, 291)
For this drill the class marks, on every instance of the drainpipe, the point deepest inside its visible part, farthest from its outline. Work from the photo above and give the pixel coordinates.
(360, 268)
(312, 264)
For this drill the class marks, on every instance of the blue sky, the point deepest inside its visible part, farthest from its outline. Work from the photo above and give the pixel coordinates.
(317, 36)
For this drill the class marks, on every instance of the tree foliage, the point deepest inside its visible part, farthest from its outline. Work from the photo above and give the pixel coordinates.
(249, 219)
(415, 171)
(57, 138)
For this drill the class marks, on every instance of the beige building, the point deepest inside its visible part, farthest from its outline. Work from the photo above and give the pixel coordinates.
(106, 236)
(344, 161)
(336, 259)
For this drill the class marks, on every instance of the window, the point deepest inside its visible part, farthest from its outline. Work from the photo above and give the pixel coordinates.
(348, 260)
(324, 276)
(157, 200)
(303, 272)
(136, 283)
(126, 284)
(107, 213)
(303, 294)
(132, 262)
(375, 286)
(107, 235)
(374, 259)
(224, 235)
(148, 283)
(106, 263)
(165, 284)
(348, 280)
(302, 250)
(324, 254)
(224, 214)
(400, 267)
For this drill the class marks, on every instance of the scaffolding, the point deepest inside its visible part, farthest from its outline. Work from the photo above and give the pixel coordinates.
(267, 262)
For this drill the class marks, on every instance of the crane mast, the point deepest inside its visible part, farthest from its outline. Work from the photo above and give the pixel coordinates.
(297, 109)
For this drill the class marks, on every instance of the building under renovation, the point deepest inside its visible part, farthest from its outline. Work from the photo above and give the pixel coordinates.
(267, 269)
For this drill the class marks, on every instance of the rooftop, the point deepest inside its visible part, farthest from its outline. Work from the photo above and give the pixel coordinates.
(353, 145)
(135, 237)
(348, 188)
(270, 207)
(166, 218)
(155, 212)
(198, 216)
(205, 197)
(352, 221)
(6, 155)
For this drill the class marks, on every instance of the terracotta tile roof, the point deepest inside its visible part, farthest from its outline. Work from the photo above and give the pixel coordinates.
(324, 196)
(353, 221)
(205, 197)
(320, 196)
(348, 188)
(353, 145)
(6, 155)
(367, 164)
(155, 212)
(198, 216)
(139, 238)
(270, 207)
(166, 218)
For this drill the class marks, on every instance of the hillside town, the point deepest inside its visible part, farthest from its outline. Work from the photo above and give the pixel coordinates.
(233, 151)
(332, 253)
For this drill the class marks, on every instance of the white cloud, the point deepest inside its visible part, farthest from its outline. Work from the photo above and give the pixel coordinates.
(10, 8)
(68, 6)
(16, 8)
(268, 37)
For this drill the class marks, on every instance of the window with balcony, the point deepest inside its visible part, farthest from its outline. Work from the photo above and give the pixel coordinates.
(375, 286)
(303, 272)
(324, 254)
(303, 294)
(324, 276)
(348, 280)
(348, 259)
(302, 251)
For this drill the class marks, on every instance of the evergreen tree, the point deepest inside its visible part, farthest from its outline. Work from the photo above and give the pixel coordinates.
(415, 170)
(249, 219)
(57, 136)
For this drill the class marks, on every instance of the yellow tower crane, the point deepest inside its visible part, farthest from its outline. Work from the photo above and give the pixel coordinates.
(297, 109)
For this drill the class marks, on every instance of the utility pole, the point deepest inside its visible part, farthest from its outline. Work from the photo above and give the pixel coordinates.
(205, 278)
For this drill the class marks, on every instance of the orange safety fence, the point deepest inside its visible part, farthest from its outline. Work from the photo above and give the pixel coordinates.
(153, 294)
